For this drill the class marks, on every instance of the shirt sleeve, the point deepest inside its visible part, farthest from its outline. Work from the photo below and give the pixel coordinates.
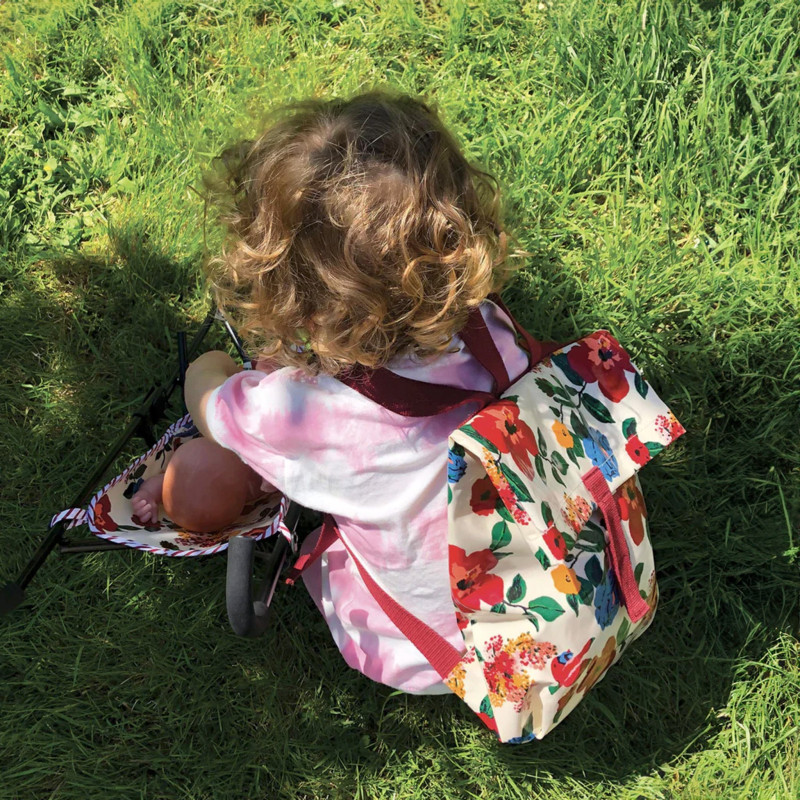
(255, 415)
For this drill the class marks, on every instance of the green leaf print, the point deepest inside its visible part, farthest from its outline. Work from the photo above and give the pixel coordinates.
(624, 630)
(558, 461)
(545, 387)
(532, 619)
(574, 603)
(629, 428)
(594, 570)
(517, 486)
(547, 513)
(500, 508)
(597, 409)
(542, 558)
(555, 474)
(591, 540)
(547, 608)
(498, 608)
(561, 361)
(586, 594)
(539, 464)
(517, 589)
(654, 448)
(641, 385)
(542, 443)
(577, 424)
(486, 707)
(501, 536)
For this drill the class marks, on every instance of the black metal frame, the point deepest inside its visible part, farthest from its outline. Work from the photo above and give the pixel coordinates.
(248, 613)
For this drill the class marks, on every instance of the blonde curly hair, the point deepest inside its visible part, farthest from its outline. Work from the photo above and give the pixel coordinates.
(357, 232)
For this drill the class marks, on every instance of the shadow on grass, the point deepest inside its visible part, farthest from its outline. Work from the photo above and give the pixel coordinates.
(139, 646)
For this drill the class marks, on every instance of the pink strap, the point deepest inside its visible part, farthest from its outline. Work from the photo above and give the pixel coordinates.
(594, 481)
(439, 653)
(327, 536)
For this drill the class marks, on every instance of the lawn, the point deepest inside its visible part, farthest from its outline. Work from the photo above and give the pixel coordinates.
(649, 153)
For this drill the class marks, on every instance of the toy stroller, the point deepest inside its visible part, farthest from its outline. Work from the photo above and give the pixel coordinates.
(266, 530)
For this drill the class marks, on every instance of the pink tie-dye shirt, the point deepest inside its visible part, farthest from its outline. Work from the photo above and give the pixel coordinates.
(382, 476)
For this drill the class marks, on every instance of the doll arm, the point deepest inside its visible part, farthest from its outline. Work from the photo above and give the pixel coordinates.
(204, 375)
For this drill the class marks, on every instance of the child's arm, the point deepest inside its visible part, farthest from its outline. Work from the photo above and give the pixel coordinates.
(204, 375)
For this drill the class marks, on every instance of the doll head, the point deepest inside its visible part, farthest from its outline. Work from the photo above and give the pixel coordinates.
(357, 232)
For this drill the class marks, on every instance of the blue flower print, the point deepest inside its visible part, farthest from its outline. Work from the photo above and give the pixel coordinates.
(606, 600)
(456, 464)
(522, 739)
(596, 446)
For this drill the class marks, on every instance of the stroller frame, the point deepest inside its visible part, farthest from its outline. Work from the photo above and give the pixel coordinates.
(248, 608)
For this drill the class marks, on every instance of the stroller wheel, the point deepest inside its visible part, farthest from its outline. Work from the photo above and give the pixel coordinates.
(249, 613)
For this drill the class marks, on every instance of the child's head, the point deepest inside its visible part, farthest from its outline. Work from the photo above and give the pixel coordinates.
(359, 231)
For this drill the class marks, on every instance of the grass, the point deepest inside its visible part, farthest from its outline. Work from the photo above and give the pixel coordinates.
(649, 152)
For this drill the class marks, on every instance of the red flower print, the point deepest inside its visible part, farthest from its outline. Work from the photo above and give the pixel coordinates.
(669, 427)
(501, 425)
(600, 359)
(567, 667)
(555, 541)
(102, 516)
(637, 451)
(632, 509)
(484, 497)
(470, 580)
(508, 664)
(488, 721)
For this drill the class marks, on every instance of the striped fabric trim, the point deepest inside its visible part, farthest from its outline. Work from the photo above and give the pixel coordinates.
(79, 516)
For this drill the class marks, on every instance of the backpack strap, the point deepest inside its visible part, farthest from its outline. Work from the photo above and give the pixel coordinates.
(536, 350)
(439, 653)
(412, 398)
(634, 604)
(408, 397)
(478, 340)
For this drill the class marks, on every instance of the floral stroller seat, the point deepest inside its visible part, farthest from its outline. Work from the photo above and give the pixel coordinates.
(108, 513)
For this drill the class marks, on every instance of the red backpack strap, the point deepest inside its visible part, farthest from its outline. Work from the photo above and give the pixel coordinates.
(408, 397)
(440, 654)
(411, 398)
(635, 605)
(536, 350)
(478, 340)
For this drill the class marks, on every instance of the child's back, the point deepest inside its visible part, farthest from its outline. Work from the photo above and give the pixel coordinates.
(383, 477)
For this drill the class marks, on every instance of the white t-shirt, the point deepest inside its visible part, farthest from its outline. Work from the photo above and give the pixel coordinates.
(382, 476)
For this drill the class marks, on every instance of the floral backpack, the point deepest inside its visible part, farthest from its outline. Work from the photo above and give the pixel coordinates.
(551, 566)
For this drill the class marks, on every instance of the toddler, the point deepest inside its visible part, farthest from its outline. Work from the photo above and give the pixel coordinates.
(361, 243)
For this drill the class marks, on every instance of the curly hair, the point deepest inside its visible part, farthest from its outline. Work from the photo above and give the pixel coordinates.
(357, 232)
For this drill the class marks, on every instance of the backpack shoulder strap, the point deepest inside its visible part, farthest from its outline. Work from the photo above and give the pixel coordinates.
(408, 397)
(412, 398)
(536, 350)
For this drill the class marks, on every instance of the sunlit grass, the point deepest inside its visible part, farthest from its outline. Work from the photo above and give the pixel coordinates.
(649, 153)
